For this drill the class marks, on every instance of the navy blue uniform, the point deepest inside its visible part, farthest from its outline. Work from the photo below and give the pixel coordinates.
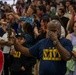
(51, 62)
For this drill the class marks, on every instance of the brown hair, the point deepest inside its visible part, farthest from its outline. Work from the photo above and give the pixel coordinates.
(27, 28)
(33, 8)
(71, 29)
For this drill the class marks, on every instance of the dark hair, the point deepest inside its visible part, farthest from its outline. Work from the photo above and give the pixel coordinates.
(55, 17)
(45, 19)
(27, 28)
(71, 28)
(68, 1)
(20, 35)
(42, 8)
(34, 9)
(74, 7)
(62, 11)
(63, 3)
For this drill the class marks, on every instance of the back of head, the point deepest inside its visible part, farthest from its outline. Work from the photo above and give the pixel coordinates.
(27, 28)
(45, 19)
(54, 23)
(55, 17)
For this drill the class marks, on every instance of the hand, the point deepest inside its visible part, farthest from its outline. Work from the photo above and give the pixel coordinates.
(36, 31)
(73, 13)
(9, 43)
(3, 22)
(22, 68)
(53, 36)
(73, 58)
(74, 53)
(12, 52)
(12, 38)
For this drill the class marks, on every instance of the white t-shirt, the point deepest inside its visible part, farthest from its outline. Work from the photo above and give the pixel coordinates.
(62, 32)
(6, 49)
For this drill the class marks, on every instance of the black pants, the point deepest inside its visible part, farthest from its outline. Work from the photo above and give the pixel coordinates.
(6, 64)
(20, 73)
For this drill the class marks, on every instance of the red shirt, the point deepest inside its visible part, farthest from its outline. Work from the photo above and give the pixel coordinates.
(1, 61)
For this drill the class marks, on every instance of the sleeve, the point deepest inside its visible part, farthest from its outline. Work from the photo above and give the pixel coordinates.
(68, 46)
(4, 37)
(22, 18)
(28, 62)
(34, 50)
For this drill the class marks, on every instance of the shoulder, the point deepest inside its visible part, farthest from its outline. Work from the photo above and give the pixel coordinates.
(65, 19)
(65, 40)
(68, 36)
(66, 43)
(44, 40)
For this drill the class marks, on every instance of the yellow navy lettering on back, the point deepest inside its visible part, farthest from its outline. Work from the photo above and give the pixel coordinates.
(51, 54)
(17, 54)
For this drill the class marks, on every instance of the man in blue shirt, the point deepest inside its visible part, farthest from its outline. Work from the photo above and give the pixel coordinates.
(28, 16)
(53, 51)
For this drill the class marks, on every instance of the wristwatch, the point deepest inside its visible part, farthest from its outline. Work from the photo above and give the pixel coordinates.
(55, 42)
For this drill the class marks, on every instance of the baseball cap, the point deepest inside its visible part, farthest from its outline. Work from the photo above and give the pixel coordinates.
(20, 35)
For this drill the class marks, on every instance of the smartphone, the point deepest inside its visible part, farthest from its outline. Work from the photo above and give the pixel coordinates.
(9, 29)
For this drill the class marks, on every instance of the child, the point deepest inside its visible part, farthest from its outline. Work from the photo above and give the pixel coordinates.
(21, 64)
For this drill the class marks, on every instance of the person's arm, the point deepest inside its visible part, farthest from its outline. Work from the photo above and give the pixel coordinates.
(2, 42)
(65, 54)
(22, 49)
(67, 27)
(28, 62)
(36, 31)
(13, 8)
(73, 52)
(7, 43)
(74, 55)
(15, 15)
(72, 19)
(68, 36)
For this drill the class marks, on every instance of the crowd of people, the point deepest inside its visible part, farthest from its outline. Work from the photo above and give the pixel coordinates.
(43, 30)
